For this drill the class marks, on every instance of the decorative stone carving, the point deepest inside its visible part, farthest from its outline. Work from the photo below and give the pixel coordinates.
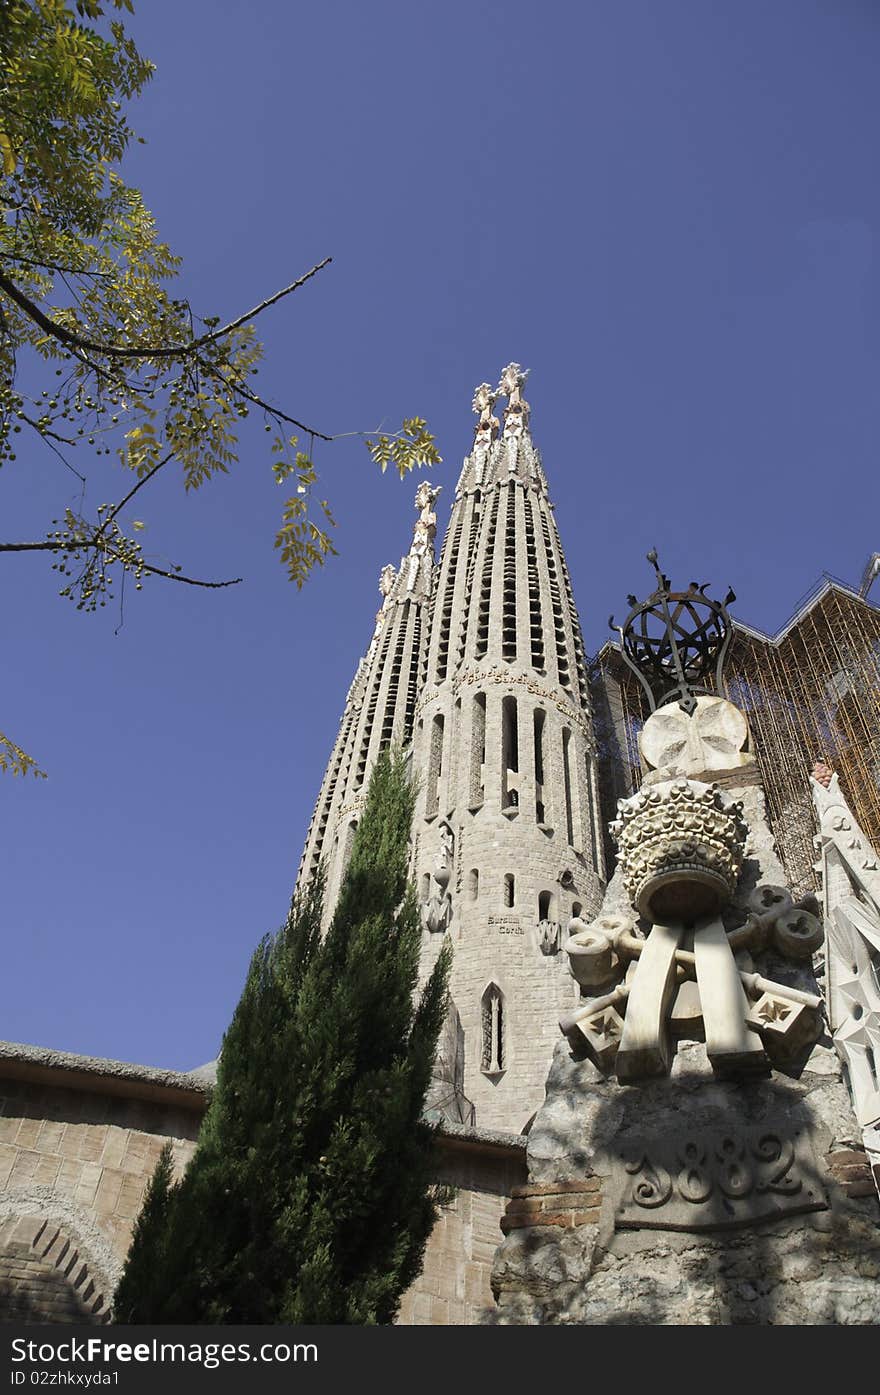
(713, 737)
(590, 948)
(681, 848)
(718, 1179)
(424, 531)
(437, 909)
(851, 895)
(488, 426)
(671, 992)
(387, 578)
(548, 936)
(516, 413)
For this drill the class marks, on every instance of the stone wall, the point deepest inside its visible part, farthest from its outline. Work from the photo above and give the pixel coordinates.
(79, 1140)
(454, 1286)
(692, 1200)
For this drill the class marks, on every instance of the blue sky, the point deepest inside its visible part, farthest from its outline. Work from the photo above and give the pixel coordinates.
(667, 209)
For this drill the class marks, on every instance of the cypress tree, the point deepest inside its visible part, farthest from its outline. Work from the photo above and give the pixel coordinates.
(309, 1198)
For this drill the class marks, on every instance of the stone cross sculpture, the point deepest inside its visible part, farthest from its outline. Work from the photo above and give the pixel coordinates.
(667, 965)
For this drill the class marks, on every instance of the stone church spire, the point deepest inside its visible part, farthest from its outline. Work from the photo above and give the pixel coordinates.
(507, 842)
(380, 707)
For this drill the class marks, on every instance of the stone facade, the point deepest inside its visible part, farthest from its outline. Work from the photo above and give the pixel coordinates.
(482, 1171)
(79, 1140)
(575, 1252)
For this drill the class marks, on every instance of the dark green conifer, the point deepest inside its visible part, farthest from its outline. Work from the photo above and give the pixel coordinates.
(309, 1197)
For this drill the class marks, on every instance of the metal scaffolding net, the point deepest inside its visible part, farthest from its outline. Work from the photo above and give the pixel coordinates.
(811, 693)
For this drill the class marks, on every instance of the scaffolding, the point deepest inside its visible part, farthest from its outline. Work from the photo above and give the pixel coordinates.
(810, 693)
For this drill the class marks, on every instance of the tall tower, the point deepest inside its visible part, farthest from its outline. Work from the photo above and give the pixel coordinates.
(507, 841)
(381, 702)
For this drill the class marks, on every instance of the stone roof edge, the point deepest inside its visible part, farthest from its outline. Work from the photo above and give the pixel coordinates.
(482, 1140)
(42, 1065)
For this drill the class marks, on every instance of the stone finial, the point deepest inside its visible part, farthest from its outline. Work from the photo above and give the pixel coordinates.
(488, 426)
(424, 530)
(516, 413)
(426, 497)
(484, 400)
(387, 578)
(822, 773)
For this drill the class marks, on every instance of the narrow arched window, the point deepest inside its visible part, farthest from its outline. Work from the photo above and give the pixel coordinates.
(509, 889)
(474, 883)
(539, 719)
(509, 754)
(545, 902)
(478, 749)
(492, 1060)
(435, 767)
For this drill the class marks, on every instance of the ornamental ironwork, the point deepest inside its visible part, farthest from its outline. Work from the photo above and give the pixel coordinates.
(675, 640)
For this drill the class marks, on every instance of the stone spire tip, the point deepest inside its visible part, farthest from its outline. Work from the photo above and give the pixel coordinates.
(517, 411)
(488, 426)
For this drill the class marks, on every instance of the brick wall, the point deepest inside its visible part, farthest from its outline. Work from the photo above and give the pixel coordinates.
(453, 1287)
(74, 1164)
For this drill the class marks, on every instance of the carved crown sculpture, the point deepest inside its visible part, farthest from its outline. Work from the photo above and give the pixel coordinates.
(681, 847)
(674, 640)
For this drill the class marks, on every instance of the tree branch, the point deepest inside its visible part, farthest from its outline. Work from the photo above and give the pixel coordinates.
(78, 341)
(266, 406)
(99, 545)
(55, 266)
(117, 508)
(44, 431)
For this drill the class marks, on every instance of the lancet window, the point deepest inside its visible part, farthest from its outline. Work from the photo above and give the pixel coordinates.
(492, 1061)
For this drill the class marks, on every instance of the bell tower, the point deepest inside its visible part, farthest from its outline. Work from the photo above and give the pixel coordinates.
(507, 837)
(381, 702)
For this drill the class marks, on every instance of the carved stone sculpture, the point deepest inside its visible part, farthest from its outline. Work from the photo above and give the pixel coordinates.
(682, 845)
(488, 426)
(851, 893)
(670, 991)
(437, 909)
(681, 848)
(713, 737)
(516, 413)
(548, 936)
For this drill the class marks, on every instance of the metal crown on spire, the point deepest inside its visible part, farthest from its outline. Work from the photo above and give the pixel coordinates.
(675, 639)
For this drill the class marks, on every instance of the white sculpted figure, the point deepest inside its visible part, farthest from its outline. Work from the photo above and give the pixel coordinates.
(424, 531)
(488, 426)
(516, 414)
(437, 910)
